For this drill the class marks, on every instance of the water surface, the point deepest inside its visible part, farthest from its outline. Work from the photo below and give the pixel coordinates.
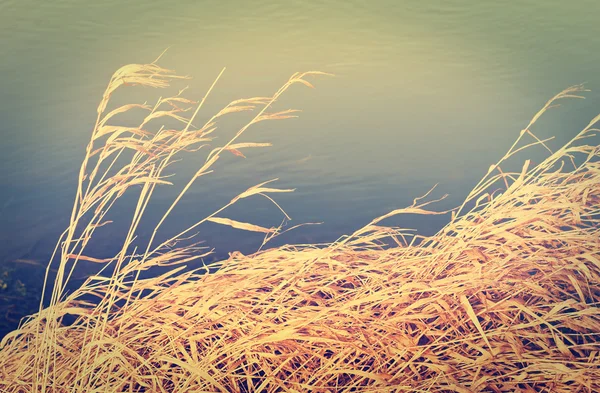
(425, 93)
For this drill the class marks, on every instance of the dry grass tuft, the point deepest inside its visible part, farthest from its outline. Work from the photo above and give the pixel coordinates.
(505, 298)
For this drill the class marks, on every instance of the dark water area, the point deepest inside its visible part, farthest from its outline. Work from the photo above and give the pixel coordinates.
(424, 93)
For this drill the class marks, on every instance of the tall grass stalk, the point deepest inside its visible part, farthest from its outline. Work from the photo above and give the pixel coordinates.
(101, 183)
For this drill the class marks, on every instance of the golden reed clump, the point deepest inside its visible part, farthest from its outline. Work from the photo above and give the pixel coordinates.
(505, 298)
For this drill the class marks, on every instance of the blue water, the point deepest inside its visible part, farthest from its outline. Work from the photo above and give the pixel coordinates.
(424, 93)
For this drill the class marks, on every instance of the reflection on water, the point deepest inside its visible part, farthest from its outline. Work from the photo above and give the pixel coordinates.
(425, 93)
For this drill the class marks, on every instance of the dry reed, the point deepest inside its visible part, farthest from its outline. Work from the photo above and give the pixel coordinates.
(505, 298)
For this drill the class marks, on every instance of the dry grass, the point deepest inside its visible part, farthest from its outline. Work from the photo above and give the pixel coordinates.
(505, 298)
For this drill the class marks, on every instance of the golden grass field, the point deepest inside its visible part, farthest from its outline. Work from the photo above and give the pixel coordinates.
(504, 298)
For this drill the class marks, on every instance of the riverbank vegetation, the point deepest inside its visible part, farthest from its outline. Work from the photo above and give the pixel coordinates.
(504, 298)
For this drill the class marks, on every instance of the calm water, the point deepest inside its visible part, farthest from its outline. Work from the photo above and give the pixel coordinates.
(425, 92)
